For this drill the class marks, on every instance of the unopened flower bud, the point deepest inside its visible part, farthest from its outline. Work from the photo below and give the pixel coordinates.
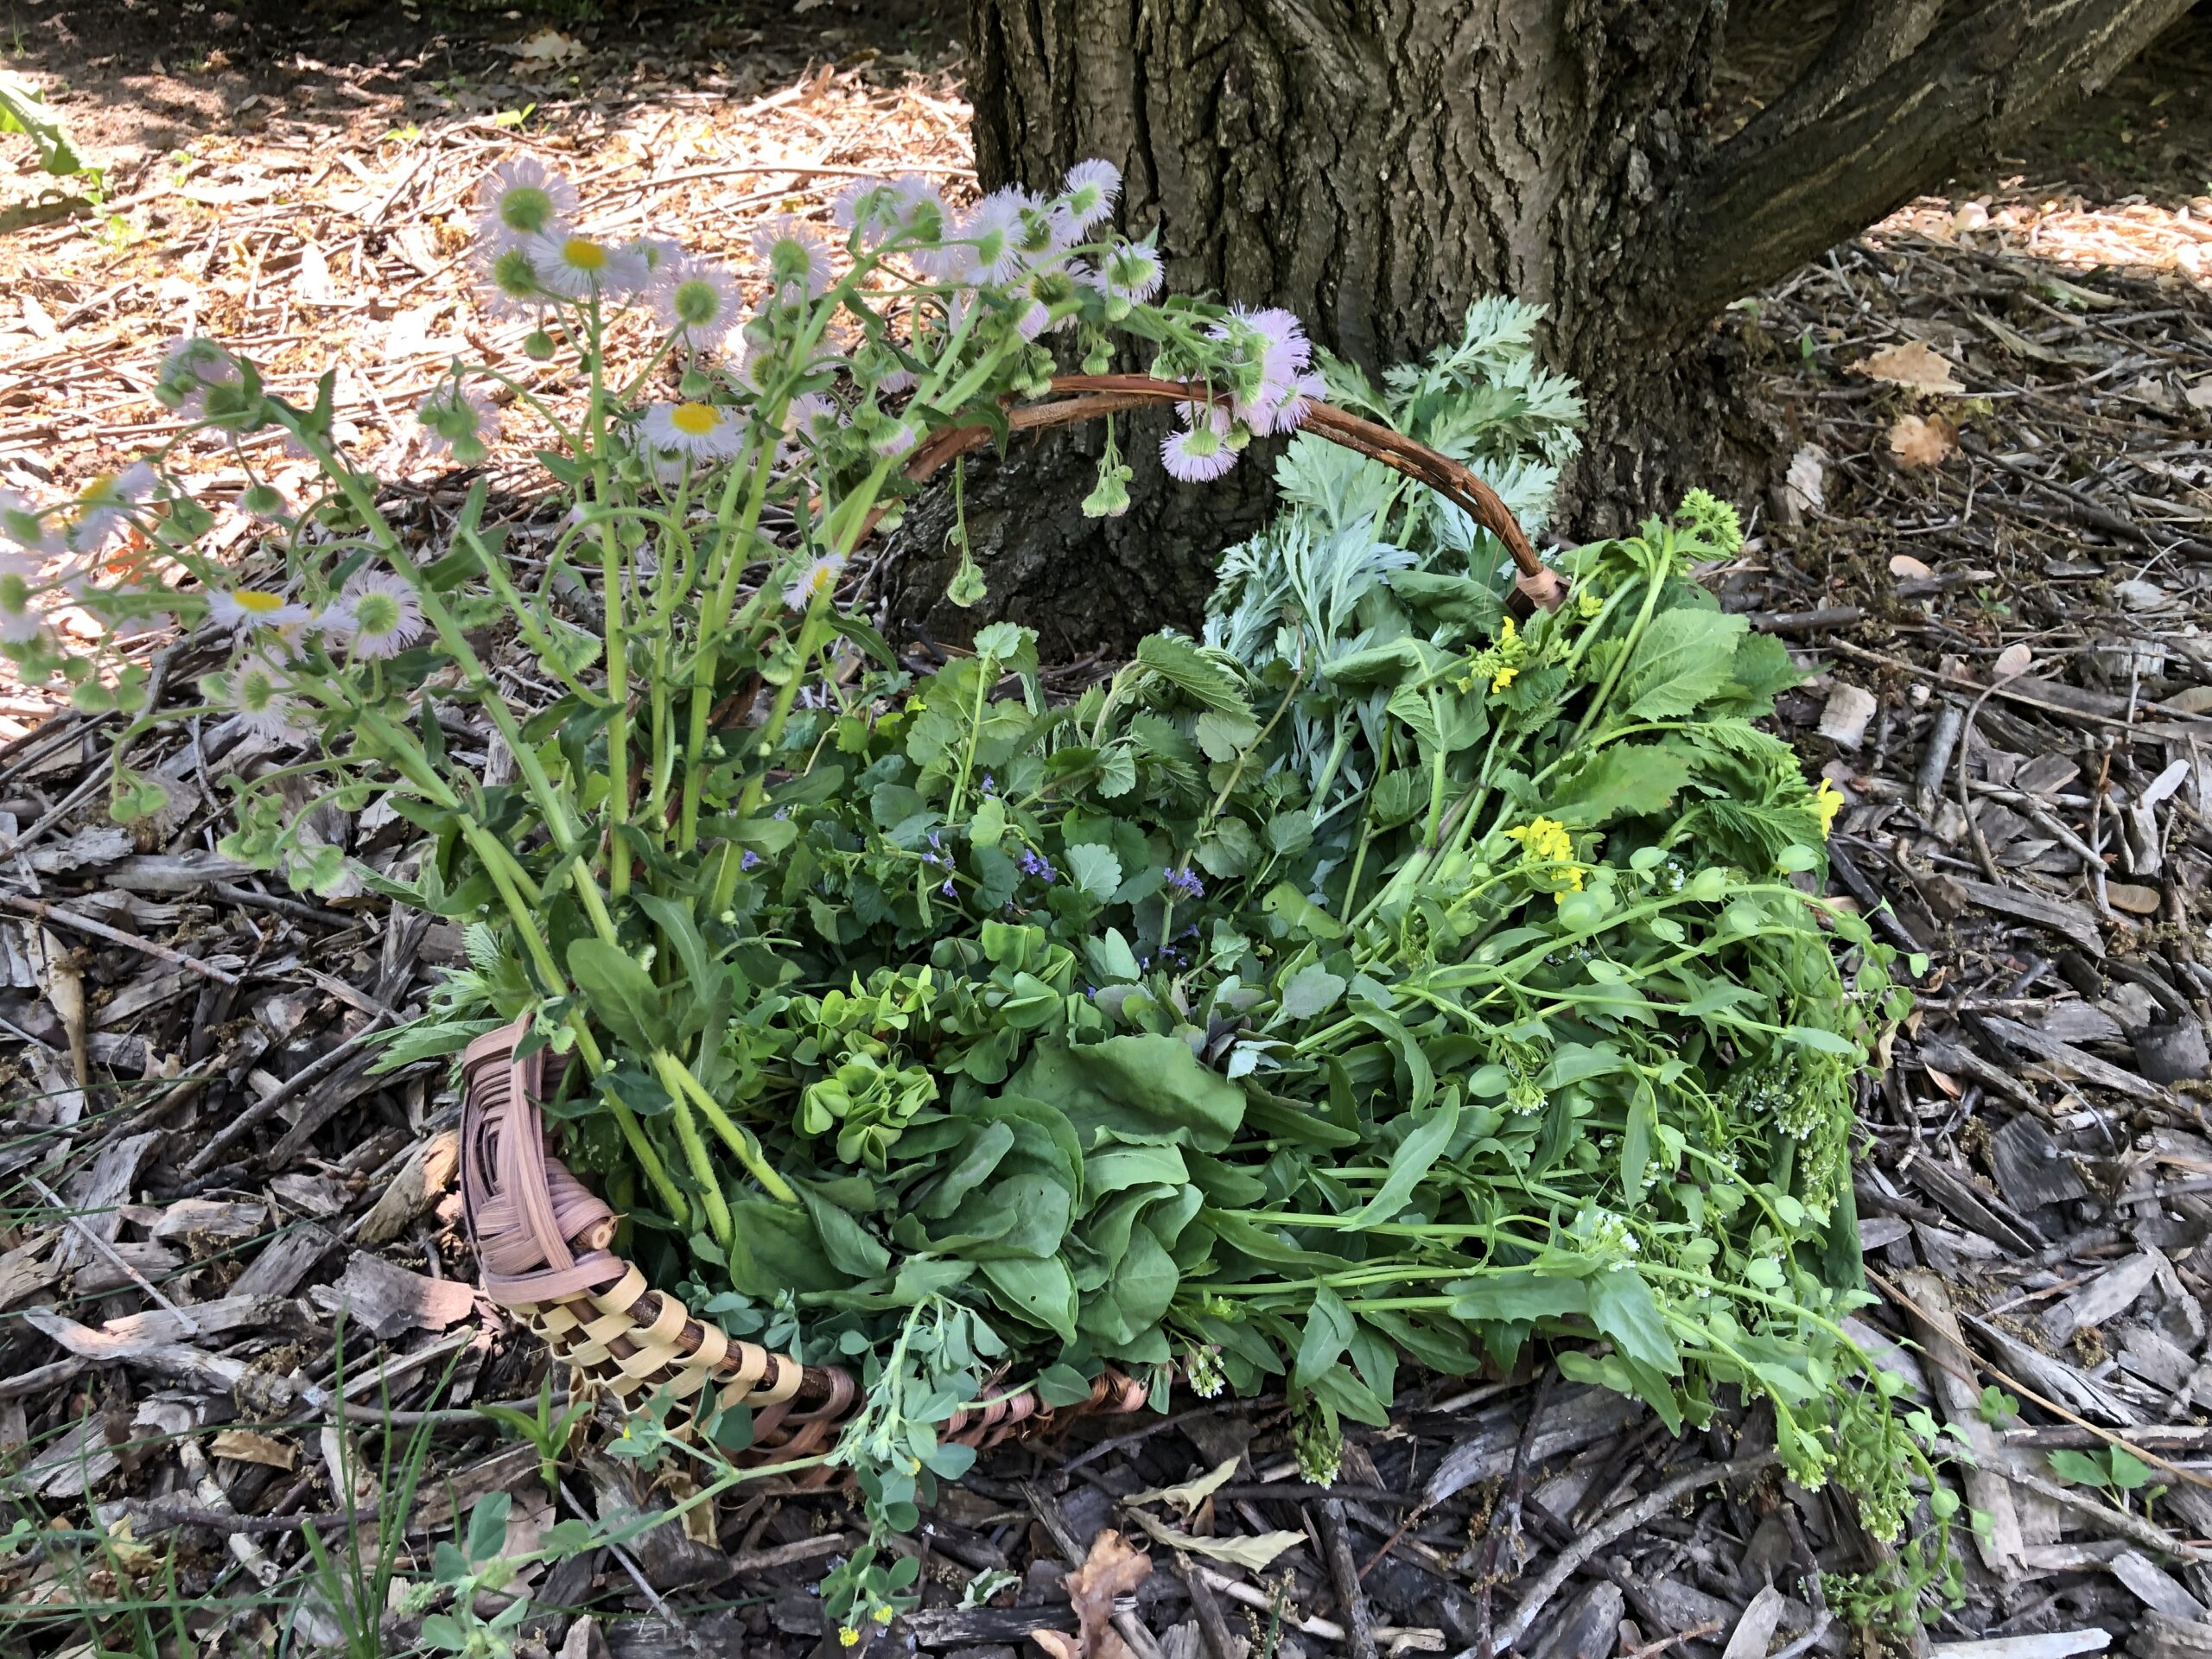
(694, 386)
(538, 346)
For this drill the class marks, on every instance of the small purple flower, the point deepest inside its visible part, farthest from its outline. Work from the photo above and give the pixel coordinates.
(990, 785)
(1033, 863)
(749, 860)
(947, 889)
(1184, 884)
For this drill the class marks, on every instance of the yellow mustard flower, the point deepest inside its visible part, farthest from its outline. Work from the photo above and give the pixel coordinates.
(882, 1615)
(1503, 677)
(848, 1637)
(1827, 804)
(1545, 839)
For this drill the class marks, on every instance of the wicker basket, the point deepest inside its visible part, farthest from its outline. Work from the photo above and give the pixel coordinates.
(543, 1239)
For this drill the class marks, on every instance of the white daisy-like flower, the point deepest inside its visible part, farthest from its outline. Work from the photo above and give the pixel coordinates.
(812, 417)
(1088, 193)
(702, 431)
(511, 275)
(661, 256)
(698, 301)
(191, 367)
(991, 236)
(797, 257)
(576, 267)
(1131, 272)
(460, 419)
(20, 621)
(21, 522)
(382, 615)
(895, 439)
(869, 210)
(260, 699)
(105, 506)
(255, 607)
(817, 577)
(522, 199)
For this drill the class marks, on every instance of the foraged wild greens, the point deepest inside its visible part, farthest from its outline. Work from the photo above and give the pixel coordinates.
(1381, 977)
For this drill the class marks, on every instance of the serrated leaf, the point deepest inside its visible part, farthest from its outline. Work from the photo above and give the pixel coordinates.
(1223, 737)
(1684, 658)
(1205, 677)
(1626, 780)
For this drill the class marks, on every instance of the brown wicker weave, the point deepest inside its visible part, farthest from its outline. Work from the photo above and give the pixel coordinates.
(543, 1239)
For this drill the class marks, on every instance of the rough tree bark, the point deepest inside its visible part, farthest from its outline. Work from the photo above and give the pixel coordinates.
(1376, 164)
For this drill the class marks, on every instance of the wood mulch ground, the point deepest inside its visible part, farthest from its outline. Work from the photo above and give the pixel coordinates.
(1993, 551)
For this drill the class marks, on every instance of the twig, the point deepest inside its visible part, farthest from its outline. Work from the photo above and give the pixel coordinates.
(1213, 1627)
(47, 912)
(224, 1138)
(1344, 1573)
(1627, 1520)
(1505, 1518)
(114, 1256)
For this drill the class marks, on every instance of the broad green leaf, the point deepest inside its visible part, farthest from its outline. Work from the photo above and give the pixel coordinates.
(1311, 990)
(1135, 1087)
(1040, 1291)
(1622, 1307)
(621, 994)
(1204, 676)
(1624, 780)
(1095, 869)
(1683, 659)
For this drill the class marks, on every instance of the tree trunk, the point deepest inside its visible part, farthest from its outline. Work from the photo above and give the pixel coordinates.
(1376, 165)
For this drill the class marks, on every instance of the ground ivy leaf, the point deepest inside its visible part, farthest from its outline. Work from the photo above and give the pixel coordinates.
(1095, 868)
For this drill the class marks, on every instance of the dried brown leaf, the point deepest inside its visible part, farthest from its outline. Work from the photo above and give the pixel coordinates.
(1916, 442)
(1915, 365)
(1114, 1568)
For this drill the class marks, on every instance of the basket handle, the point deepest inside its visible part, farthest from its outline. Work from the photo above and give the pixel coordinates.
(1086, 397)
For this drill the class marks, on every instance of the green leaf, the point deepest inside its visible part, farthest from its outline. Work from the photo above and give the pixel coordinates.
(1520, 1294)
(1622, 1307)
(1329, 1331)
(1311, 990)
(1135, 1087)
(1095, 868)
(1415, 1156)
(1062, 1385)
(1683, 659)
(1624, 780)
(622, 995)
(851, 1248)
(2076, 1468)
(1204, 677)
(1040, 1291)
(1223, 736)
(1300, 914)
(487, 1526)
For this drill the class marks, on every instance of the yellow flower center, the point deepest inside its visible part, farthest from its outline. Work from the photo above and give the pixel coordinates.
(584, 254)
(99, 491)
(694, 420)
(258, 601)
